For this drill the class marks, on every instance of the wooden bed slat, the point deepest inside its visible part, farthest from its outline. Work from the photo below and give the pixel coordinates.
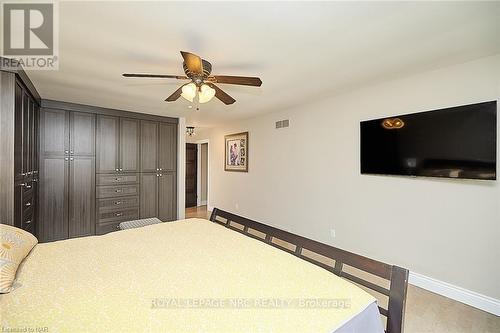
(397, 276)
(383, 311)
(365, 283)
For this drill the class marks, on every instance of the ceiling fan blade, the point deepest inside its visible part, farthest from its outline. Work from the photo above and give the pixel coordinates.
(193, 62)
(225, 98)
(241, 80)
(180, 77)
(175, 96)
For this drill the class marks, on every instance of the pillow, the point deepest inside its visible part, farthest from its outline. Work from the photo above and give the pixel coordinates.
(15, 244)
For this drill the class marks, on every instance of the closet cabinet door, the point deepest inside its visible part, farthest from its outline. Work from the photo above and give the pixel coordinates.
(149, 146)
(18, 133)
(108, 130)
(129, 145)
(167, 147)
(53, 175)
(81, 196)
(82, 175)
(167, 200)
(53, 198)
(149, 195)
(55, 135)
(82, 134)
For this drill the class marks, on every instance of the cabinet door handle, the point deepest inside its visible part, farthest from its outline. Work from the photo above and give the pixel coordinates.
(28, 222)
(66, 159)
(28, 186)
(71, 158)
(117, 169)
(71, 152)
(118, 202)
(118, 214)
(28, 204)
(121, 169)
(118, 179)
(118, 190)
(66, 151)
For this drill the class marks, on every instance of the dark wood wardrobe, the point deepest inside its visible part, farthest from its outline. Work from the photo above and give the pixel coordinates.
(19, 110)
(100, 167)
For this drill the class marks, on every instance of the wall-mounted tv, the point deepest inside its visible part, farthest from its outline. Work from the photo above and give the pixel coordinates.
(457, 142)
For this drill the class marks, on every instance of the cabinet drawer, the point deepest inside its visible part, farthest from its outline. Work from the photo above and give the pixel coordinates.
(28, 222)
(106, 228)
(117, 179)
(117, 203)
(118, 215)
(117, 191)
(27, 199)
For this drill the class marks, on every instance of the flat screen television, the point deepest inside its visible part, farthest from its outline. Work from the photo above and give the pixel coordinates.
(457, 142)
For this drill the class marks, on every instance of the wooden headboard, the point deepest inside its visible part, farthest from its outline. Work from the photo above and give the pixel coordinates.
(396, 276)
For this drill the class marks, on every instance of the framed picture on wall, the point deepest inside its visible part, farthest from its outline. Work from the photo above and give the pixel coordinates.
(236, 152)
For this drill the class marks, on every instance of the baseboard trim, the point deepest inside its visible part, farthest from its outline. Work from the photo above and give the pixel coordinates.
(482, 302)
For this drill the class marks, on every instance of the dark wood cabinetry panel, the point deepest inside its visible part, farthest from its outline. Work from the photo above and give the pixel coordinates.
(129, 145)
(82, 134)
(167, 147)
(26, 133)
(81, 196)
(167, 196)
(149, 195)
(53, 224)
(18, 133)
(108, 129)
(54, 138)
(149, 146)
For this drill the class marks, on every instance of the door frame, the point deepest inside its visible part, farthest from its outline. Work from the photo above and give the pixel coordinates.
(198, 172)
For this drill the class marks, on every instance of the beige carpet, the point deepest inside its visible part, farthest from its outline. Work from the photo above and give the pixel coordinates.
(426, 312)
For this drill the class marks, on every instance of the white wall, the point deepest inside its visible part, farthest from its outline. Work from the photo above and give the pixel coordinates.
(306, 179)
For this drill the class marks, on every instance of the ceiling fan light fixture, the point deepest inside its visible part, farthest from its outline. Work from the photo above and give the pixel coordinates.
(189, 91)
(206, 93)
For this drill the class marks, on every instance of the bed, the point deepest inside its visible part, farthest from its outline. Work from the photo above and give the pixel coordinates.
(195, 275)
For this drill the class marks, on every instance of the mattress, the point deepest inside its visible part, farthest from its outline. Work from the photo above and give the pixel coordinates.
(186, 276)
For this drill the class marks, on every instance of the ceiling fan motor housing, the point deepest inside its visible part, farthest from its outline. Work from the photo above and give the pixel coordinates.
(207, 69)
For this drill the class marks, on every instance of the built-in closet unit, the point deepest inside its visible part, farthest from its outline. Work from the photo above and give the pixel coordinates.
(19, 112)
(67, 174)
(106, 181)
(158, 170)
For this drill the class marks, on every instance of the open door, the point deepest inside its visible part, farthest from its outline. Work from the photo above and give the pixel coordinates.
(191, 174)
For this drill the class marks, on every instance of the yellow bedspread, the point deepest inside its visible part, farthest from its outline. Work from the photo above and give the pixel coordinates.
(186, 276)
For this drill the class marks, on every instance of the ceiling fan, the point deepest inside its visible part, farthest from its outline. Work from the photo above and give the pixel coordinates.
(202, 82)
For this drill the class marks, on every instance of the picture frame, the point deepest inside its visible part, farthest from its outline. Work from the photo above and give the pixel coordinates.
(236, 152)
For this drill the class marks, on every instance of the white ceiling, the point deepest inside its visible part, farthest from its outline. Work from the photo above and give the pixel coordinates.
(301, 50)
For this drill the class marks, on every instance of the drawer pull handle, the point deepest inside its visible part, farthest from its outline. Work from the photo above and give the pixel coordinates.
(118, 179)
(118, 214)
(118, 202)
(118, 190)
(28, 204)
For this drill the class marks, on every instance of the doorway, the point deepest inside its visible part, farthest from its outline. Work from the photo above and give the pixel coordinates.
(191, 174)
(197, 182)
